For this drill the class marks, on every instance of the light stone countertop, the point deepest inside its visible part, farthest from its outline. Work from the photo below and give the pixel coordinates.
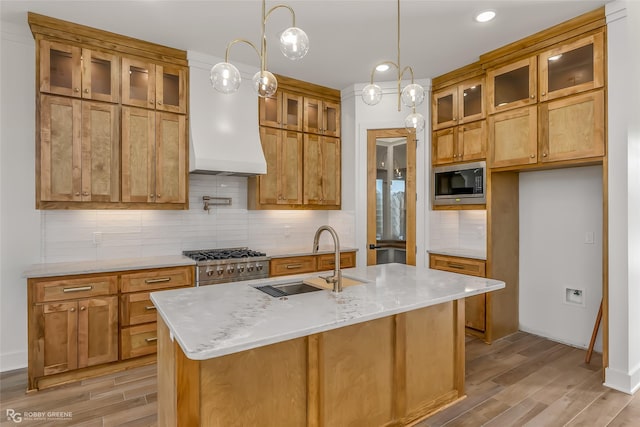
(216, 320)
(105, 266)
(460, 252)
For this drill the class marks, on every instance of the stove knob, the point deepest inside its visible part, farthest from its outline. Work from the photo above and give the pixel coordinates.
(240, 268)
(249, 268)
(230, 269)
(259, 267)
(220, 270)
(209, 272)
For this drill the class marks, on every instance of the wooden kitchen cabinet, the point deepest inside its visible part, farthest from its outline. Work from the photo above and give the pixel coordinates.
(154, 157)
(513, 137)
(513, 85)
(73, 324)
(138, 314)
(79, 151)
(322, 170)
(283, 111)
(285, 266)
(321, 117)
(475, 306)
(573, 67)
(154, 86)
(458, 104)
(71, 70)
(283, 182)
(90, 324)
(459, 144)
(572, 128)
(86, 78)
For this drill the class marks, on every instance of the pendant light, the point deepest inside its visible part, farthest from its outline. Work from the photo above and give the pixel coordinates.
(294, 44)
(412, 95)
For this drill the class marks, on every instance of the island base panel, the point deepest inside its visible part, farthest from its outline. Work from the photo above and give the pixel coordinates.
(390, 371)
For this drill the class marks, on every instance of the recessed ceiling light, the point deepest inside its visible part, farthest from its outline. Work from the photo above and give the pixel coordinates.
(485, 16)
(382, 67)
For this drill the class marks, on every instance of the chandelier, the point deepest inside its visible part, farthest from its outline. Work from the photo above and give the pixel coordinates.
(411, 96)
(294, 44)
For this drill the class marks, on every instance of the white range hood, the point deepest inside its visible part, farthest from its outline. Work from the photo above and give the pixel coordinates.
(224, 131)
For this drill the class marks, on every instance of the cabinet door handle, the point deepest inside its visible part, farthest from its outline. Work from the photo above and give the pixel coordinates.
(86, 91)
(78, 289)
(457, 266)
(150, 307)
(151, 339)
(293, 266)
(72, 309)
(83, 308)
(158, 280)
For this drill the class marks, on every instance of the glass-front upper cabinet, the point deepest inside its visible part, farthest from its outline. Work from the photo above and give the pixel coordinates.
(512, 86)
(572, 68)
(462, 103)
(283, 110)
(148, 85)
(81, 73)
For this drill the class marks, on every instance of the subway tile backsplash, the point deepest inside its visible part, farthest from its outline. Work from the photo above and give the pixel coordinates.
(93, 235)
(465, 229)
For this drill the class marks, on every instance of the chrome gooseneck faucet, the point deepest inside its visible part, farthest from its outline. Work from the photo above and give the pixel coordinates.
(336, 279)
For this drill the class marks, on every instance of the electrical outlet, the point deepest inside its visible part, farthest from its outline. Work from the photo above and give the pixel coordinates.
(574, 296)
(589, 238)
(287, 230)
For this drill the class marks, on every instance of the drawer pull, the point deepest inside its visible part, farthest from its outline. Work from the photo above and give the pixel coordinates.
(458, 266)
(293, 266)
(150, 307)
(78, 289)
(151, 339)
(158, 280)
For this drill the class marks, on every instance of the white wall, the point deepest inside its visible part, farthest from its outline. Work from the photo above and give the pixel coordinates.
(20, 222)
(557, 209)
(384, 115)
(623, 20)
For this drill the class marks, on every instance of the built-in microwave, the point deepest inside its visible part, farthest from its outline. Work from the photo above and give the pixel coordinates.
(459, 184)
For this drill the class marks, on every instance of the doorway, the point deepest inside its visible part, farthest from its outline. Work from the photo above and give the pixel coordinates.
(391, 196)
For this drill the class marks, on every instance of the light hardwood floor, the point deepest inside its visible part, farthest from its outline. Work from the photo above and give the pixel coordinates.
(519, 380)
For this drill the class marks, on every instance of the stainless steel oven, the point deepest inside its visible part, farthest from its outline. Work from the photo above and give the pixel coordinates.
(215, 266)
(459, 184)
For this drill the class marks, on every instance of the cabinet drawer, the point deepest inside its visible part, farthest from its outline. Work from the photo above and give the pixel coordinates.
(292, 265)
(138, 340)
(136, 308)
(74, 288)
(162, 278)
(468, 266)
(327, 261)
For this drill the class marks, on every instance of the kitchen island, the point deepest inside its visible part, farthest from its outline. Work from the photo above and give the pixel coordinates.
(387, 352)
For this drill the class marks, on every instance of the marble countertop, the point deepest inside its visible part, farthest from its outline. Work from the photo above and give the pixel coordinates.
(216, 320)
(290, 252)
(460, 252)
(105, 266)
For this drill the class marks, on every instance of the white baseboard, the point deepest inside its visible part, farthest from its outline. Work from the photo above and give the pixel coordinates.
(12, 361)
(622, 381)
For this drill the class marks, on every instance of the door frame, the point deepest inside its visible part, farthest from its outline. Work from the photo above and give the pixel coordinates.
(410, 180)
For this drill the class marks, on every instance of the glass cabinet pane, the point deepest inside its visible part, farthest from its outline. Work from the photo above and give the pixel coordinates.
(445, 108)
(270, 110)
(60, 69)
(138, 83)
(512, 86)
(101, 76)
(570, 68)
(331, 119)
(171, 89)
(472, 101)
(291, 110)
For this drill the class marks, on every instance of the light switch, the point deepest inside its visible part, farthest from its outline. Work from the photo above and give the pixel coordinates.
(589, 238)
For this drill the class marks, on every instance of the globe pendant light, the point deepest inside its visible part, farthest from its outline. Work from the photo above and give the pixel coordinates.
(294, 44)
(411, 96)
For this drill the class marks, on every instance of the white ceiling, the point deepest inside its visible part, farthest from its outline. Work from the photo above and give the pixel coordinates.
(347, 38)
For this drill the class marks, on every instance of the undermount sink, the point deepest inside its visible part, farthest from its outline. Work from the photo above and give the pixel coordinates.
(287, 289)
